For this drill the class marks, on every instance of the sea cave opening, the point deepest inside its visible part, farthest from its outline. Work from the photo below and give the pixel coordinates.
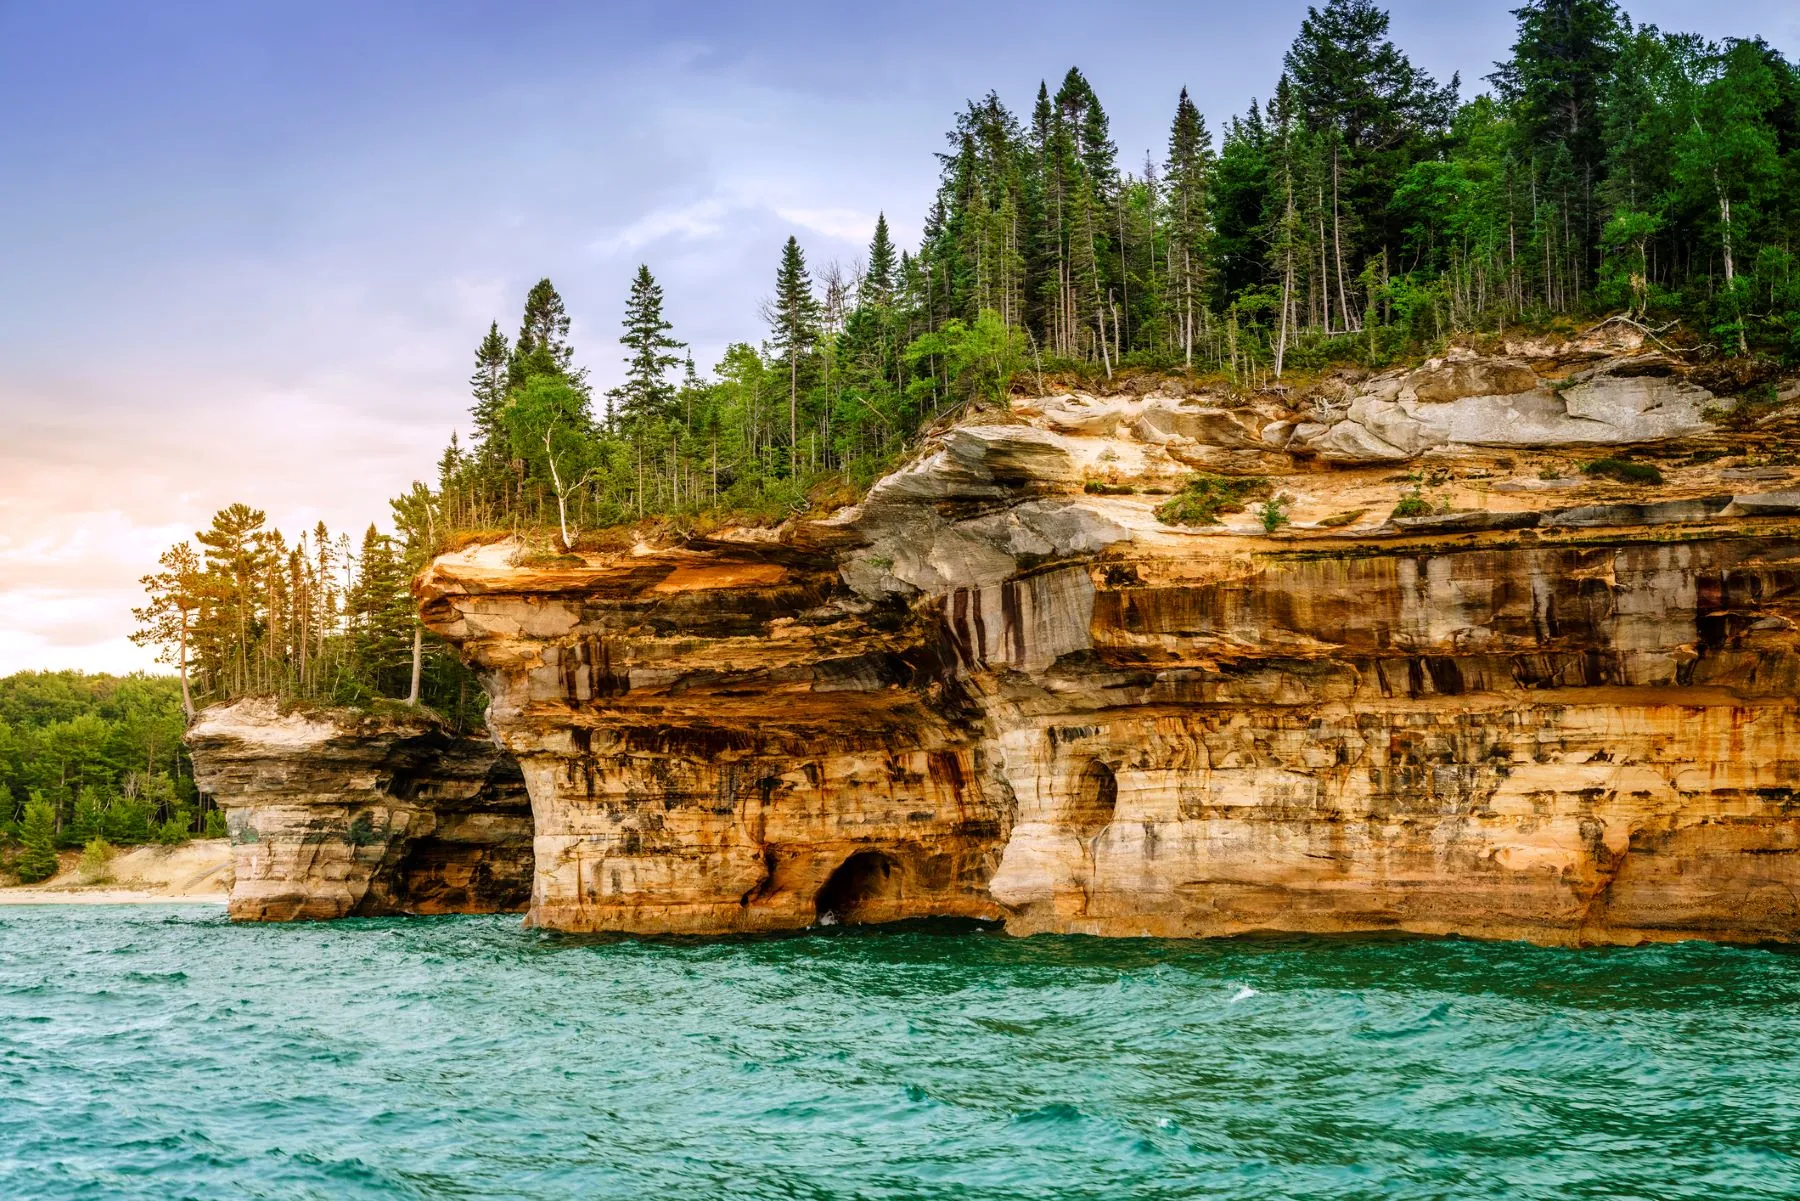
(864, 888)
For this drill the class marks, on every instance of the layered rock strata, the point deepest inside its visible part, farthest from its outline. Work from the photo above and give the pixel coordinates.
(337, 814)
(1552, 708)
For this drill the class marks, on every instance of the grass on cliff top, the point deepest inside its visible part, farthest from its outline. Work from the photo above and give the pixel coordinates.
(1204, 497)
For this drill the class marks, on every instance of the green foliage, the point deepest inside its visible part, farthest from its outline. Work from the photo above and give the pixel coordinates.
(96, 858)
(84, 744)
(215, 825)
(130, 820)
(1273, 513)
(1623, 470)
(646, 394)
(1412, 503)
(176, 829)
(37, 836)
(1204, 497)
(978, 360)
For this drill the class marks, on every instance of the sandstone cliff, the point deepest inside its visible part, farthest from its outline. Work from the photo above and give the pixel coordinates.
(1551, 707)
(336, 814)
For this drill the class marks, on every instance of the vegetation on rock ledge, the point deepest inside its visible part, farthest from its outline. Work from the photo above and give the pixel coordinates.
(1361, 211)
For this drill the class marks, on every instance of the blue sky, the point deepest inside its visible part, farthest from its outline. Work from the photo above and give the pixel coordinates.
(246, 249)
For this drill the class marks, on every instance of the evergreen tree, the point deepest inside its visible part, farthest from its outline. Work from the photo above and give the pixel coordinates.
(646, 393)
(542, 347)
(878, 280)
(168, 620)
(1373, 113)
(1554, 85)
(794, 318)
(489, 386)
(382, 616)
(1562, 59)
(1186, 177)
(37, 859)
(234, 546)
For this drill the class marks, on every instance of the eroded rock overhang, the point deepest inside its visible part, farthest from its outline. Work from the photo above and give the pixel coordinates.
(1563, 710)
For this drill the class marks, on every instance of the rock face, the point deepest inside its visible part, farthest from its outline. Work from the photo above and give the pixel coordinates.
(335, 814)
(1463, 401)
(992, 690)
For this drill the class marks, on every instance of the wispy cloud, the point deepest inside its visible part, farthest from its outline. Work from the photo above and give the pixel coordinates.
(849, 225)
(702, 219)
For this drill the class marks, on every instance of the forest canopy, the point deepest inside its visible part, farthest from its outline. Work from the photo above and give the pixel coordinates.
(1360, 211)
(96, 756)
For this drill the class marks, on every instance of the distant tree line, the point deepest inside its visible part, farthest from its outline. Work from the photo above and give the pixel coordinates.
(85, 757)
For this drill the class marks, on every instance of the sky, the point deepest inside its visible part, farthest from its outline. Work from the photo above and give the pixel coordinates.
(247, 250)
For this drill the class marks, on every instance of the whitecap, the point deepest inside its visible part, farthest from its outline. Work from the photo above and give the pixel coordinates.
(1243, 994)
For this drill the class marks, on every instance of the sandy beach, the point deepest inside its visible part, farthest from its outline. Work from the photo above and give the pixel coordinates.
(195, 873)
(101, 895)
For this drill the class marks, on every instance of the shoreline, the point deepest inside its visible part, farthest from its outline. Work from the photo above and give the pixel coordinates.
(104, 896)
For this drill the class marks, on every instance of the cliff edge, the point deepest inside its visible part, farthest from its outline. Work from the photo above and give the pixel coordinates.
(1550, 706)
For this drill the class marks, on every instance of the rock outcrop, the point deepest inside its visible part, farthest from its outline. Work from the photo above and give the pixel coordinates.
(1557, 709)
(337, 814)
(1462, 401)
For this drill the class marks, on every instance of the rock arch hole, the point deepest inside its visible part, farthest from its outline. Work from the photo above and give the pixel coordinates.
(865, 888)
(1095, 799)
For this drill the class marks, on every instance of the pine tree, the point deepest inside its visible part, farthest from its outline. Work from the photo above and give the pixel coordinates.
(1560, 67)
(1373, 114)
(235, 555)
(168, 620)
(489, 385)
(382, 608)
(37, 861)
(646, 393)
(1186, 178)
(794, 317)
(542, 347)
(878, 280)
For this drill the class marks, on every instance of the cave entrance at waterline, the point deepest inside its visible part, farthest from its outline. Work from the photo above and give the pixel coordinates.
(864, 888)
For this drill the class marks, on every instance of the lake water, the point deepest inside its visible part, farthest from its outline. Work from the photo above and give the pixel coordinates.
(160, 1052)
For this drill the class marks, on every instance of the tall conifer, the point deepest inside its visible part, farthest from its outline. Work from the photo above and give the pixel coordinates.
(488, 385)
(794, 318)
(646, 393)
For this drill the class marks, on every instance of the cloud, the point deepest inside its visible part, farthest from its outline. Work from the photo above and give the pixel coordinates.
(703, 219)
(849, 225)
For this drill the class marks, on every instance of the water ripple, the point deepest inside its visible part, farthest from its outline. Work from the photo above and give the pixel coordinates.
(164, 1053)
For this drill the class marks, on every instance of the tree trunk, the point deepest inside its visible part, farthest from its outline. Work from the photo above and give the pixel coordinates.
(1337, 243)
(412, 697)
(187, 698)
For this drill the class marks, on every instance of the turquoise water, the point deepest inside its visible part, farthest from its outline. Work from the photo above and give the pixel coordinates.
(160, 1052)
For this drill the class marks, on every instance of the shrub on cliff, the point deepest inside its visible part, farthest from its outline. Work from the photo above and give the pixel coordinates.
(1411, 504)
(1273, 512)
(1204, 497)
